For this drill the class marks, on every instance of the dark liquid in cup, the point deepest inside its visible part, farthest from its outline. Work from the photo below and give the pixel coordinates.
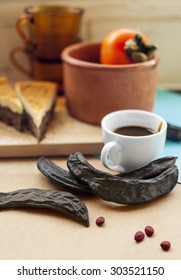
(134, 131)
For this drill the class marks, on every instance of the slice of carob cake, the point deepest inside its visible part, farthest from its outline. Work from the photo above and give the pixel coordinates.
(38, 99)
(11, 110)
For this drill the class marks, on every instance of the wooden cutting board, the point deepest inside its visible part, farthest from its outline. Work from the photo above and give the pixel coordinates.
(64, 136)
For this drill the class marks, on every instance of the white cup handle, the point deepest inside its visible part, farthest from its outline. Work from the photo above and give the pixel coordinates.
(105, 158)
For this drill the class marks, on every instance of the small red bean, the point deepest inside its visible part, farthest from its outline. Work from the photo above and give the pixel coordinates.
(100, 221)
(149, 230)
(165, 245)
(139, 236)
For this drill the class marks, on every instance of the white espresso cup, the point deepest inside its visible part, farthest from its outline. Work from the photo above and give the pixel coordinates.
(125, 153)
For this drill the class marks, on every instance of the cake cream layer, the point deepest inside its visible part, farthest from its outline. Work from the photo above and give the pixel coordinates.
(37, 98)
(8, 97)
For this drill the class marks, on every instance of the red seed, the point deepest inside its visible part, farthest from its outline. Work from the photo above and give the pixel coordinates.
(100, 221)
(149, 230)
(165, 245)
(139, 236)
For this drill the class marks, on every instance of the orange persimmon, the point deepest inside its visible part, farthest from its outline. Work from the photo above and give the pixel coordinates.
(113, 46)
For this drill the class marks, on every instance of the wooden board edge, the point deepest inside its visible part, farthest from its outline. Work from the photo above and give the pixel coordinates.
(49, 150)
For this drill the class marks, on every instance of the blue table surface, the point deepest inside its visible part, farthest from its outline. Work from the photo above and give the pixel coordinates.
(168, 105)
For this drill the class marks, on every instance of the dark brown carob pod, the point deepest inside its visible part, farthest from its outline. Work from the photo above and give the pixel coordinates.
(60, 177)
(63, 202)
(152, 169)
(65, 179)
(122, 190)
(173, 132)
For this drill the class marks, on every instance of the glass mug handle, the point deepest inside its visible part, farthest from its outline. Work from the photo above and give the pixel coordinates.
(115, 149)
(24, 19)
(17, 64)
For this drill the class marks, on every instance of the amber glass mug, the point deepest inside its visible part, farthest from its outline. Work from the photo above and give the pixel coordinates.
(37, 69)
(49, 29)
(46, 31)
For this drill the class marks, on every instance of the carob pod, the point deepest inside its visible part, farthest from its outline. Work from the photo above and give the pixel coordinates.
(60, 177)
(152, 169)
(122, 190)
(173, 132)
(64, 178)
(63, 202)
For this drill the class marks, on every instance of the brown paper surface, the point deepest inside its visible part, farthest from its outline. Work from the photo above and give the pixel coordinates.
(41, 234)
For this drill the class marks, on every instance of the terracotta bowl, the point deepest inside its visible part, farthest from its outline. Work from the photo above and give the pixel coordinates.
(93, 90)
